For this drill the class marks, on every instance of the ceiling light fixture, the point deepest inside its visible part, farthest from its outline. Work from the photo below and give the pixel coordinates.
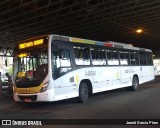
(139, 31)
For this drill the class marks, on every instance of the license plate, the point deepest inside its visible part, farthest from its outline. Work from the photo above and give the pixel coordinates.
(27, 100)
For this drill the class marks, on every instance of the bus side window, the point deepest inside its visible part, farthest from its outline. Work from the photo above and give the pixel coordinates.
(134, 58)
(98, 56)
(143, 58)
(82, 56)
(124, 57)
(149, 58)
(115, 57)
(109, 57)
(95, 56)
(102, 55)
(78, 55)
(112, 57)
(86, 56)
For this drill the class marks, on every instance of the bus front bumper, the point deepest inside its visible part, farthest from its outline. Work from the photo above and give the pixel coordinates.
(48, 95)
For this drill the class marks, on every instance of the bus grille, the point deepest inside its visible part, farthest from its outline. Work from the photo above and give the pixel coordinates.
(28, 84)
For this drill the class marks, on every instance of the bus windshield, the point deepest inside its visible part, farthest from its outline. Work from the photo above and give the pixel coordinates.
(30, 65)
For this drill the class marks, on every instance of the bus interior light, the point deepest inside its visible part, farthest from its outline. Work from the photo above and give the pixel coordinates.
(139, 31)
(21, 55)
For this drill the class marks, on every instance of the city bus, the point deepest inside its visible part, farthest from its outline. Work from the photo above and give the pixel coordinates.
(55, 67)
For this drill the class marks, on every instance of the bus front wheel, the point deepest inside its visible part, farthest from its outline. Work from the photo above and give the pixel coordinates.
(83, 92)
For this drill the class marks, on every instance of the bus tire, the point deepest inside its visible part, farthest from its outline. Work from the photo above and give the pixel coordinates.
(135, 83)
(83, 92)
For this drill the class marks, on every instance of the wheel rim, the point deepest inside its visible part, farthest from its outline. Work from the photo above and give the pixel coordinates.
(135, 83)
(84, 92)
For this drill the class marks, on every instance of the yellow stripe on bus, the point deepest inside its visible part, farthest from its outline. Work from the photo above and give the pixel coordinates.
(78, 40)
(77, 79)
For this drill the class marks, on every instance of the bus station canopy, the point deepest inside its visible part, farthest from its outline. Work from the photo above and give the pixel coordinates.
(102, 20)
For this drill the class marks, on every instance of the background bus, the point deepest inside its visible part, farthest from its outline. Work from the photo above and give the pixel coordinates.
(54, 67)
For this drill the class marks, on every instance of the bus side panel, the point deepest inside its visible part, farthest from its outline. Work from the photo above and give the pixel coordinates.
(106, 78)
(67, 86)
(127, 73)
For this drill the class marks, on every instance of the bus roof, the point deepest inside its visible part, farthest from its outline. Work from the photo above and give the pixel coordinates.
(93, 42)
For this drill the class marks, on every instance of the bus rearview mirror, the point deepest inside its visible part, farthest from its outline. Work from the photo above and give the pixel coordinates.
(6, 64)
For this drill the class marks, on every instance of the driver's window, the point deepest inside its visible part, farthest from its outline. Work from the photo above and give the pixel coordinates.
(61, 62)
(61, 58)
(64, 58)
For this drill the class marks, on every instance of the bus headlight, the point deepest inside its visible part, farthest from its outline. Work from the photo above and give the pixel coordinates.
(44, 88)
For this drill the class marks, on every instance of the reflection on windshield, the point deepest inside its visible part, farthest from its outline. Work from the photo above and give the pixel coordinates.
(31, 65)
